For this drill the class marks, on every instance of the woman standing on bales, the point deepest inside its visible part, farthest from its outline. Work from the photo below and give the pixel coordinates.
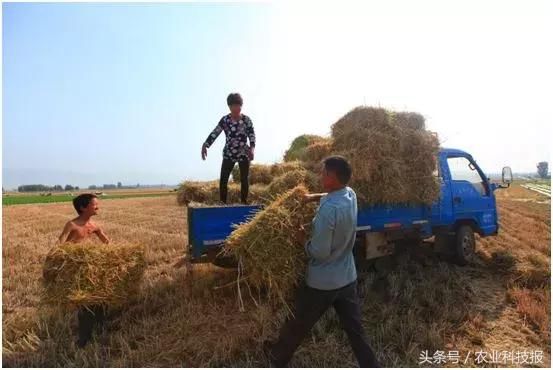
(238, 129)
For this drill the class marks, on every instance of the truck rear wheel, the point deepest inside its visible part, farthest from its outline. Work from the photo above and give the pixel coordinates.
(465, 245)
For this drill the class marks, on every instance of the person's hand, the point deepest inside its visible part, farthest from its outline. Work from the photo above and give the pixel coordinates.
(204, 152)
(309, 198)
(251, 153)
(313, 197)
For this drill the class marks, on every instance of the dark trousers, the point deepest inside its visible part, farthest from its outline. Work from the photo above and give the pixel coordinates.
(88, 318)
(311, 304)
(226, 169)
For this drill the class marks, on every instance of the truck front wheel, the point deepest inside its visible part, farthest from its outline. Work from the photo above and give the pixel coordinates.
(465, 245)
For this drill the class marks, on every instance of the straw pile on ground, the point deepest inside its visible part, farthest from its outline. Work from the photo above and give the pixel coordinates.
(84, 274)
(270, 246)
(392, 156)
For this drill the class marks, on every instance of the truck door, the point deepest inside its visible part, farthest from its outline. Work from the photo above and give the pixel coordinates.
(472, 195)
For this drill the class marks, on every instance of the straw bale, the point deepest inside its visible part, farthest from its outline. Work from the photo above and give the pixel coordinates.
(258, 174)
(83, 274)
(392, 159)
(291, 179)
(207, 193)
(270, 246)
(298, 145)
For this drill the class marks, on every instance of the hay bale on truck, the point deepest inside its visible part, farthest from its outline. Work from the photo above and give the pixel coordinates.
(207, 193)
(196, 191)
(298, 146)
(317, 151)
(278, 169)
(392, 156)
(258, 174)
(291, 179)
(87, 274)
(269, 248)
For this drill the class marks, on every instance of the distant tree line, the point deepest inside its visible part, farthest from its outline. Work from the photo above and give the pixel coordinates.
(112, 186)
(41, 187)
(46, 188)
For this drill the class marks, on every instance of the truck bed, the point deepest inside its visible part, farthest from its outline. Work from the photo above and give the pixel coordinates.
(209, 226)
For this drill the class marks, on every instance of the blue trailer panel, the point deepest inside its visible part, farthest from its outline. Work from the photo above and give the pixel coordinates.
(208, 227)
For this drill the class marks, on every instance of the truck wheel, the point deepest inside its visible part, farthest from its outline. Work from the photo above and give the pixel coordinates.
(465, 245)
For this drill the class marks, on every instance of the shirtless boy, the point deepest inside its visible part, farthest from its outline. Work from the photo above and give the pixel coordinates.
(81, 227)
(75, 231)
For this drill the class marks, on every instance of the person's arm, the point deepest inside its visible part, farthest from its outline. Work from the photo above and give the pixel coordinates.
(251, 136)
(100, 233)
(65, 233)
(319, 246)
(211, 138)
(315, 197)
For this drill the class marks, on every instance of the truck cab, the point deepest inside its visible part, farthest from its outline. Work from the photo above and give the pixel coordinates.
(467, 195)
(466, 206)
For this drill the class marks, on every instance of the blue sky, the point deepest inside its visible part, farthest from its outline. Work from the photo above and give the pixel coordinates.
(128, 90)
(100, 93)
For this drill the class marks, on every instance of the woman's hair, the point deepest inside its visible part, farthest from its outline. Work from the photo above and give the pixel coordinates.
(234, 98)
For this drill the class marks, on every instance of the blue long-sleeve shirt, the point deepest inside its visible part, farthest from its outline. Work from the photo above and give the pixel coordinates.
(331, 264)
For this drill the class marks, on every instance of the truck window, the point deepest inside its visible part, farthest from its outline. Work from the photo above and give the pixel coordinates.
(460, 170)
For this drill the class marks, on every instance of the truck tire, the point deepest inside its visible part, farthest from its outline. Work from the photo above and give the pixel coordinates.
(465, 245)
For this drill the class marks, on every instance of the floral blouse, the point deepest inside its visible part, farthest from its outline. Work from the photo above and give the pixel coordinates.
(237, 133)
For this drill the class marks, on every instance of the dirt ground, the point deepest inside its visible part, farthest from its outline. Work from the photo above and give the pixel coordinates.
(413, 302)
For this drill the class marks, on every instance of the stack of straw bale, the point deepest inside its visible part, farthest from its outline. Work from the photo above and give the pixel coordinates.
(392, 155)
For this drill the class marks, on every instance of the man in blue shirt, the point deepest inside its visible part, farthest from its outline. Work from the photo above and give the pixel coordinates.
(331, 278)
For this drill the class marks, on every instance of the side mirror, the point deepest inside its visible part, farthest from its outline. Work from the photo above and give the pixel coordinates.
(507, 175)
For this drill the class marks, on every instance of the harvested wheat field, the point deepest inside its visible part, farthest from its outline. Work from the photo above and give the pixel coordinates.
(412, 302)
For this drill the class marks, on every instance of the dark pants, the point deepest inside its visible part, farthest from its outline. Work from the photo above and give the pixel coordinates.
(88, 318)
(311, 304)
(226, 169)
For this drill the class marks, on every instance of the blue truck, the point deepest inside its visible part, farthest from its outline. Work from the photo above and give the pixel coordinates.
(466, 206)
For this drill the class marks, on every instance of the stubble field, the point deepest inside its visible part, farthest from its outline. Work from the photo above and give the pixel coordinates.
(412, 302)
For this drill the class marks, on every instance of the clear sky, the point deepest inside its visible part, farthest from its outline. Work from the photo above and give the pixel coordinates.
(100, 93)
